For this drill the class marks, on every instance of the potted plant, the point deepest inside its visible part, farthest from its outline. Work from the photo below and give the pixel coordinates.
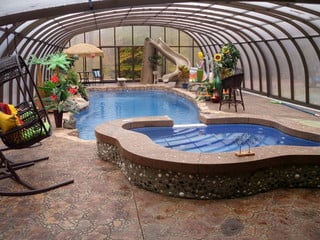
(62, 84)
(225, 63)
(226, 60)
(155, 61)
(183, 75)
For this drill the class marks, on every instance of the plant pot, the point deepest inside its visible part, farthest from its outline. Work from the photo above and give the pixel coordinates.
(215, 99)
(58, 117)
(185, 85)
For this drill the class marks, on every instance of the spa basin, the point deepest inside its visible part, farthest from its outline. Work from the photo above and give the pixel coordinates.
(221, 137)
(207, 175)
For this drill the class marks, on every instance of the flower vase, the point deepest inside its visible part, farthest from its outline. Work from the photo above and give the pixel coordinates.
(199, 74)
(218, 83)
(58, 116)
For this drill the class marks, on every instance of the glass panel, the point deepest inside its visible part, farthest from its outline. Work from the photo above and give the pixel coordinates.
(23, 26)
(262, 4)
(193, 4)
(253, 36)
(272, 68)
(195, 56)
(30, 47)
(91, 63)
(307, 28)
(265, 35)
(263, 17)
(126, 63)
(293, 31)
(157, 32)
(124, 36)
(170, 66)
(185, 39)
(316, 23)
(187, 52)
(140, 34)
(137, 68)
(314, 69)
(108, 64)
(284, 70)
(240, 23)
(77, 39)
(254, 66)
(79, 65)
(130, 60)
(93, 38)
(298, 13)
(107, 37)
(246, 68)
(223, 8)
(298, 71)
(314, 7)
(4, 45)
(172, 37)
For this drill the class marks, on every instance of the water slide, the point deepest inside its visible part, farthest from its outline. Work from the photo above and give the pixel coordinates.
(173, 56)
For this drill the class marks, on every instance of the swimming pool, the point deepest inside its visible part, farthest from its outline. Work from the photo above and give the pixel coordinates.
(221, 137)
(110, 105)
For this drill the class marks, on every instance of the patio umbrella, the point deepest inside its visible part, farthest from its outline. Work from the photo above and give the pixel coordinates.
(84, 50)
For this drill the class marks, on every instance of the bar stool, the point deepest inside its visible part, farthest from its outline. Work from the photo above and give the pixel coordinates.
(233, 85)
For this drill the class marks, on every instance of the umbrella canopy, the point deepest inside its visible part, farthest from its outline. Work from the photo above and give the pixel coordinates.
(84, 50)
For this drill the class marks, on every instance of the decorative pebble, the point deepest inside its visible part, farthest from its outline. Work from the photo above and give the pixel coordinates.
(181, 194)
(208, 186)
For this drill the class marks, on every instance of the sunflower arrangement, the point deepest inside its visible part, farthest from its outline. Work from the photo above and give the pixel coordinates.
(227, 57)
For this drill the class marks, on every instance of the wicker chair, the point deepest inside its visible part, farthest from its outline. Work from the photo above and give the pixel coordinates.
(35, 124)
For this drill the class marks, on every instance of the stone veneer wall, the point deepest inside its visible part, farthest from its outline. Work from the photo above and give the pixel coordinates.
(216, 186)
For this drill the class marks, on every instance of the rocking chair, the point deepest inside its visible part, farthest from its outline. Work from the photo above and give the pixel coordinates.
(35, 124)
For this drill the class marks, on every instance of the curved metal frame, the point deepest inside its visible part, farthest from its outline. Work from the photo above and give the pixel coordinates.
(209, 24)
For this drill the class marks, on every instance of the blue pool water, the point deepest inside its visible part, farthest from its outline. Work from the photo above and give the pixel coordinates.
(221, 137)
(106, 106)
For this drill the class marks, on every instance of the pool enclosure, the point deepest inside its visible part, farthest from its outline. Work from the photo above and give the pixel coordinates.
(279, 41)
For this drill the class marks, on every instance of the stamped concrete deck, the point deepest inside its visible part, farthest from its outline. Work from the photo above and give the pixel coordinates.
(102, 204)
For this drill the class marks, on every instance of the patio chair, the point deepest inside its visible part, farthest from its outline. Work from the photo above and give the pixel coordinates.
(25, 125)
(84, 77)
(96, 73)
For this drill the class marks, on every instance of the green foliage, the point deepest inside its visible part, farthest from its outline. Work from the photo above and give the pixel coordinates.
(155, 60)
(184, 72)
(53, 61)
(73, 78)
(57, 91)
(210, 85)
(64, 82)
(227, 57)
(130, 57)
